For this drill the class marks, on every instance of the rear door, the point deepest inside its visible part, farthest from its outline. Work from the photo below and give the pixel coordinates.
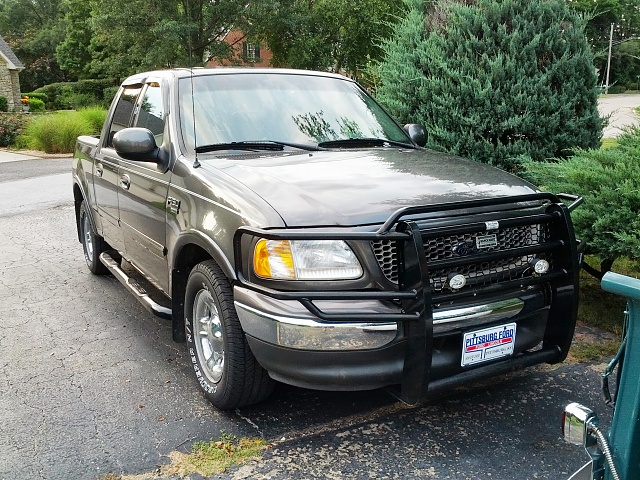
(143, 192)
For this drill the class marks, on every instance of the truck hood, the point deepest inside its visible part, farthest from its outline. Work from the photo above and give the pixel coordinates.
(363, 187)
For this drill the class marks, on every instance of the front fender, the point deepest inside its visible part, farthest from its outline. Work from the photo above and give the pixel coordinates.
(204, 243)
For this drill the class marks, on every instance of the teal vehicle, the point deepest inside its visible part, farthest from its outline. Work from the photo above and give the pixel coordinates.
(615, 456)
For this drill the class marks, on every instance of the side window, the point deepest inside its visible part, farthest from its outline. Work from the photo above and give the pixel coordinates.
(123, 113)
(151, 113)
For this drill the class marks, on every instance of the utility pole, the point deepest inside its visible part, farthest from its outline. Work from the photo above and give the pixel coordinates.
(606, 87)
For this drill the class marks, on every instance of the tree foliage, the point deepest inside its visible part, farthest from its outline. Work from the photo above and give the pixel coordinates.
(625, 17)
(139, 35)
(61, 40)
(32, 31)
(493, 80)
(322, 34)
(609, 181)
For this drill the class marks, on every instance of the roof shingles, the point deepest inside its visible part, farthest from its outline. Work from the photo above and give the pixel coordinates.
(7, 53)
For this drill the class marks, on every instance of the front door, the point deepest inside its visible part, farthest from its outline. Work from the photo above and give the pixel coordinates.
(107, 169)
(143, 195)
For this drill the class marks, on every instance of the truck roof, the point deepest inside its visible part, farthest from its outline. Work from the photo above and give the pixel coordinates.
(185, 72)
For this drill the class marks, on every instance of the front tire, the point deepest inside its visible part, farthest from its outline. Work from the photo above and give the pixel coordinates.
(225, 367)
(92, 243)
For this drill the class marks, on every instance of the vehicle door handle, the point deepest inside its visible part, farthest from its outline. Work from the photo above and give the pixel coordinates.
(125, 181)
(99, 170)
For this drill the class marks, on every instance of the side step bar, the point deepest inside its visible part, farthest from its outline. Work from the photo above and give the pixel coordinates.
(134, 287)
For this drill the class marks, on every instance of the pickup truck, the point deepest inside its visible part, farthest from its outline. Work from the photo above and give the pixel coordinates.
(292, 231)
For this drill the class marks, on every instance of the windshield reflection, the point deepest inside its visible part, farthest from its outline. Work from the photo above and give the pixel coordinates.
(292, 108)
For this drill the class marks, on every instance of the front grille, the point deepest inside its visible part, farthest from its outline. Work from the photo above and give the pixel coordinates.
(476, 274)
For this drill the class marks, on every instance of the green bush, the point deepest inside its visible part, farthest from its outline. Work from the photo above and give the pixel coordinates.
(616, 89)
(95, 116)
(57, 132)
(108, 94)
(4, 104)
(609, 181)
(40, 96)
(493, 79)
(36, 105)
(83, 93)
(10, 127)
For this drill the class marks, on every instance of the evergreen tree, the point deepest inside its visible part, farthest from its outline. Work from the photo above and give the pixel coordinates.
(494, 80)
(609, 181)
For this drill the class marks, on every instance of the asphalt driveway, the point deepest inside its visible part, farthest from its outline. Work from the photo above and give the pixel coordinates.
(620, 110)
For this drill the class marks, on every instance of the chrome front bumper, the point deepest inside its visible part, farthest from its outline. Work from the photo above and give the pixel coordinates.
(287, 323)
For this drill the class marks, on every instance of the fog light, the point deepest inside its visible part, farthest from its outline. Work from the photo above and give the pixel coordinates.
(456, 281)
(539, 265)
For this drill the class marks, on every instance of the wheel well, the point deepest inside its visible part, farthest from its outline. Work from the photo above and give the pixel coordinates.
(189, 256)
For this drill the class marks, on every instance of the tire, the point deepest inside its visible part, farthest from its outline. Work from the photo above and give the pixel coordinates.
(92, 243)
(225, 367)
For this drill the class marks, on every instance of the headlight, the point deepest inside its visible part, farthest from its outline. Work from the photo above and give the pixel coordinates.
(305, 260)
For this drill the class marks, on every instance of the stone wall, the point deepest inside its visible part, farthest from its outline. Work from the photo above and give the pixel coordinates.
(15, 83)
(10, 86)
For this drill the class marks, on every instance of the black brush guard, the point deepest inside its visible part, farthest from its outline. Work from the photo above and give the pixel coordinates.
(414, 293)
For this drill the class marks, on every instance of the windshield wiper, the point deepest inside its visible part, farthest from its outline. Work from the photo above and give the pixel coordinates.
(255, 145)
(363, 143)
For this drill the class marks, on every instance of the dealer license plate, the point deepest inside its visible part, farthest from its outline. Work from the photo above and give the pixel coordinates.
(488, 344)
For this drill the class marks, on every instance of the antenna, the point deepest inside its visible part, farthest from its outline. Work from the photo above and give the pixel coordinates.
(196, 163)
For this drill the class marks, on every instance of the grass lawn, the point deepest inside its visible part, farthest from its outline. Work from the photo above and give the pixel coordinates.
(600, 314)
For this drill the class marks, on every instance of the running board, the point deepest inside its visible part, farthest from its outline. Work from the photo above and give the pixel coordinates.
(134, 287)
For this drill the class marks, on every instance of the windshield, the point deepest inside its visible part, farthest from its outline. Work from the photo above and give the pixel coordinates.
(300, 109)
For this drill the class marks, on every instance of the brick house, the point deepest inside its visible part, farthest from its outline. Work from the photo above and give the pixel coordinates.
(10, 66)
(245, 53)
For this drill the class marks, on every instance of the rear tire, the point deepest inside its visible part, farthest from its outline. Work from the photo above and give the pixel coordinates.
(92, 243)
(225, 367)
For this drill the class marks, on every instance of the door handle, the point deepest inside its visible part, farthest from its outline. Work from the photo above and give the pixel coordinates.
(99, 170)
(125, 181)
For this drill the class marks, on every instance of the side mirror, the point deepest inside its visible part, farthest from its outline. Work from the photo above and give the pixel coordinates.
(416, 133)
(575, 421)
(136, 144)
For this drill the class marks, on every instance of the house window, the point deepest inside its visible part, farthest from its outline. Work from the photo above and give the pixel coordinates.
(251, 51)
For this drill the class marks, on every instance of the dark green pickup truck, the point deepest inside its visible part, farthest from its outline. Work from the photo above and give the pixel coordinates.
(297, 233)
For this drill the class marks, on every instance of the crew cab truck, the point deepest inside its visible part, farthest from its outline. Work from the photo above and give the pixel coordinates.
(297, 233)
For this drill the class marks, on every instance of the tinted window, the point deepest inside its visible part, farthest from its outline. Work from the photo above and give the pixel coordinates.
(151, 114)
(124, 111)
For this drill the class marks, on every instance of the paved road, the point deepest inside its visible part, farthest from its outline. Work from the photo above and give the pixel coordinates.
(620, 109)
(90, 383)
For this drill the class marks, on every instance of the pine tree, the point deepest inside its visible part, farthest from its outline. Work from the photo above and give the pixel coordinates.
(609, 181)
(494, 80)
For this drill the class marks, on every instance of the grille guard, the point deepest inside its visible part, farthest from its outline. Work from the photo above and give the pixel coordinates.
(413, 275)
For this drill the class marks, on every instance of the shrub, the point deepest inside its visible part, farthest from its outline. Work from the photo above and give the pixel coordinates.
(83, 93)
(10, 127)
(57, 132)
(609, 181)
(4, 104)
(36, 105)
(40, 96)
(82, 100)
(493, 79)
(617, 89)
(108, 94)
(95, 116)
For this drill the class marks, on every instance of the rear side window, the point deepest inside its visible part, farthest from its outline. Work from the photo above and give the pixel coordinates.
(124, 111)
(151, 113)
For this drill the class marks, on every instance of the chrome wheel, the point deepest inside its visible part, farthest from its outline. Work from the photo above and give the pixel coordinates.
(88, 243)
(208, 335)
(92, 244)
(225, 367)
